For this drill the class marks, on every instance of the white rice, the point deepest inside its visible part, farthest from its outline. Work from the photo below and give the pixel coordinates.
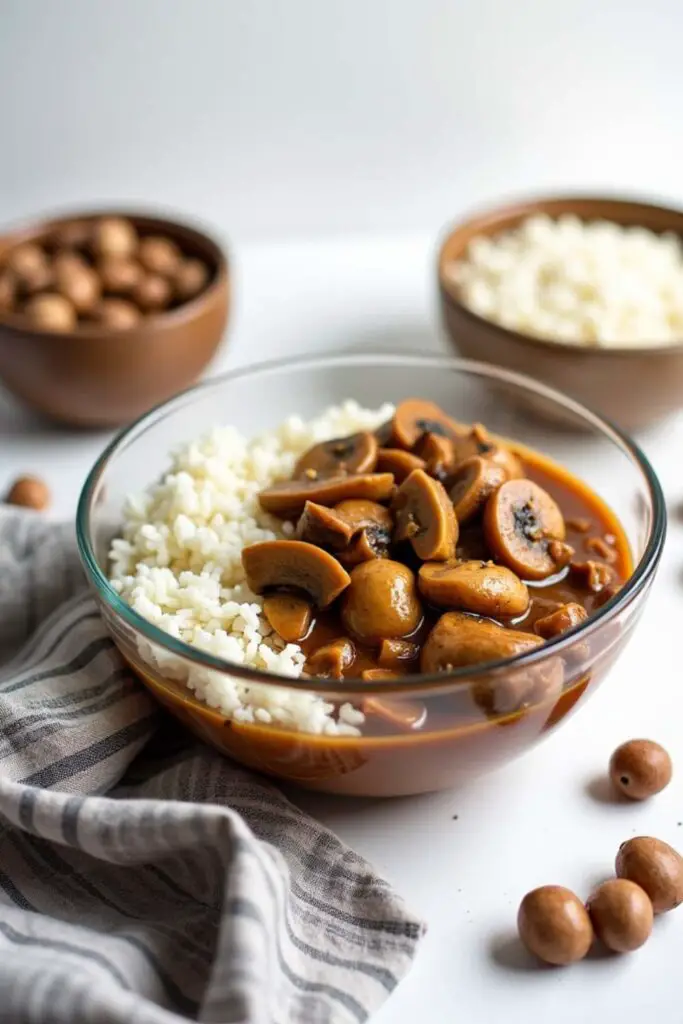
(178, 564)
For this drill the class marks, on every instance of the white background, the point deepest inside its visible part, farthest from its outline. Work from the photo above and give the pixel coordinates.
(329, 142)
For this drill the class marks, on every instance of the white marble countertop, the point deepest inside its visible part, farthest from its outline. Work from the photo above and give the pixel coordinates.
(462, 859)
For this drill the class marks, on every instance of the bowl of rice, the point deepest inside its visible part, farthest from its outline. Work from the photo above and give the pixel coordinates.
(584, 294)
(171, 504)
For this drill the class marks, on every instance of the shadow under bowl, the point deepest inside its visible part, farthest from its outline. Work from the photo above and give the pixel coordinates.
(635, 386)
(96, 376)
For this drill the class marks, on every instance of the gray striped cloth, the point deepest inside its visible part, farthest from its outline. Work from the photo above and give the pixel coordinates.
(145, 879)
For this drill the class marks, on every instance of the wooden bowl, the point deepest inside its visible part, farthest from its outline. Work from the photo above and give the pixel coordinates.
(635, 387)
(100, 376)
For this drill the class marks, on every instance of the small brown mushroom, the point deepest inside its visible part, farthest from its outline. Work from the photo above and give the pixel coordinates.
(159, 255)
(281, 564)
(561, 553)
(354, 454)
(395, 654)
(332, 659)
(438, 454)
(580, 524)
(472, 485)
(402, 714)
(191, 277)
(323, 526)
(479, 587)
(562, 619)
(520, 520)
(289, 615)
(640, 769)
(593, 575)
(521, 688)
(458, 639)
(425, 517)
(415, 417)
(554, 925)
(29, 492)
(478, 441)
(119, 275)
(114, 236)
(78, 283)
(656, 867)
(599, 546)
(381, 602)
(119, 314)
(398, 462)
(606, 594)
(152, 293)
(621, 914)
(51, 312)
(287, 498)
(30, 267)
(371, 524)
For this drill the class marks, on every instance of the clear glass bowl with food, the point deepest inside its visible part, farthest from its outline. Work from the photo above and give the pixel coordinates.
(371, 574)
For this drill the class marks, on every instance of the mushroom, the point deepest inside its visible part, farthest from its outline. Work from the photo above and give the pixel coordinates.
(438, 453)
(371, 525)
(563, 618)
(606, 594)
(425, 517)
(402, 714)
(394, 654)
(520, 520)
(479, 587)
(354, 454)
(289, 615)
(381, 602)
(324, 527)
(274, 564)
(594, 575)
(332, 659)
(473, 484)
(599, 546)
(478, 441)
(520, 688)
(458, 639)
(287, 498)
(415, 417)
(398, 462)
(561, 553)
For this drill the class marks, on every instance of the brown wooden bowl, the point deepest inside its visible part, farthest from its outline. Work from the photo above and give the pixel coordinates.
(100, 376)
(635, 387)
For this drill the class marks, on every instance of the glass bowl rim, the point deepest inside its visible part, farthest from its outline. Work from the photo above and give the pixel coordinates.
(418, 683)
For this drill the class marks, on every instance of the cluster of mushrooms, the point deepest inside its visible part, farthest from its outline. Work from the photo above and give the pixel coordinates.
(378, 517)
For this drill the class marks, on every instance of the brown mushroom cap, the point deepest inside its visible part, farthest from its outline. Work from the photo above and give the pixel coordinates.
(554, 925)
(425, 517)
(415, 417)
(381, 602)
(478, 441)
(520, 520)
(395, 654)
(472, 485)
(593, 575)
(275, 564)
(458, 639)
(562, 619)
(332, 659)
(640, 769)
(324, 527)
(354, 454)
(656, 867)
(479, 587)
(437, 452)
(287, 498)
(289, 615)
(398, 462)
(621, 914)
(372, 526)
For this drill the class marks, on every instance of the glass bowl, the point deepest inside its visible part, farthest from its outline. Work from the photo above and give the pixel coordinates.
(450, 726)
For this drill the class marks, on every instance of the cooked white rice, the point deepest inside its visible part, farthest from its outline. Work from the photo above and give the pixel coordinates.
(178, 564)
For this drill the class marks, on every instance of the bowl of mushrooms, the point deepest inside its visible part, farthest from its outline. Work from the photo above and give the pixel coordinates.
(103, 315)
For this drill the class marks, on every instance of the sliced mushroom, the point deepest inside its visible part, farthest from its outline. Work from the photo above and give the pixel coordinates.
(333, 659)
(521, 688)
(381, 602)
(563, 618)
(425, 517)
(322, 526)
(459, 639)
(379, 675)
(561, 553)
(398, 462)
(478, 441)
(281, 564)
(383, 433)
(581, 524)
(354, 454)
(593, 575)
(599, 546)
(479, 587)
(395, 654)
(438, 453)
(520, 520)
(402, 714)
(287, 498)
(371, 525)
(289, 615)
(473, 484)
(415, 417)
(606, 594)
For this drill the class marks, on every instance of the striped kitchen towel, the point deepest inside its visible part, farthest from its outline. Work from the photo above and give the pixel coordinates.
(145, 879)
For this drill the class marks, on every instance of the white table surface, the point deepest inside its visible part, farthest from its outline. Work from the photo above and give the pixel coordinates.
(541, 819)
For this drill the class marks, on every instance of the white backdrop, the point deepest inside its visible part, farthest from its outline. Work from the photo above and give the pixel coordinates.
(275, 117)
